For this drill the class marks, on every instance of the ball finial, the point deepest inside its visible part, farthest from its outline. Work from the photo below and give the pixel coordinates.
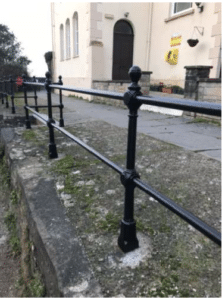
(47, 75)
(135, 73)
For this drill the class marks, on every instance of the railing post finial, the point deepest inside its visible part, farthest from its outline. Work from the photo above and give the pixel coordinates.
(60, 80)
(133, 89)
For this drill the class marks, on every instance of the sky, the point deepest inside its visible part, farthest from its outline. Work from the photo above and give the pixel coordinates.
(30, 21)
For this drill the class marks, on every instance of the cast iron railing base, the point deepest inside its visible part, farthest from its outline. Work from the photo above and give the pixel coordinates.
(28, 124)
(52, 151)
(127, 240)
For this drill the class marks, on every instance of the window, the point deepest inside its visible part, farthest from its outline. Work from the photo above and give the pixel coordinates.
(180, 6)
(75, 35)
(61, 42)
(68, 52)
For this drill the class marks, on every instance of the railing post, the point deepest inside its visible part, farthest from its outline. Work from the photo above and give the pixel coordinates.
(6, 95)
(52, 145)
(61, 106)
(27, 121)
(35, 96)
(12, 95)
(127, 240)
(2, 93)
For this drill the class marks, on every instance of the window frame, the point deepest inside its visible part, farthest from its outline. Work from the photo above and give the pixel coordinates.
(179, 12)
(68, 43)
(75, 34)
(62, 52)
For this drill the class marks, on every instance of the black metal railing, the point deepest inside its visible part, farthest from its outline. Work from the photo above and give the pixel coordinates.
(129, 177)
(9, 87)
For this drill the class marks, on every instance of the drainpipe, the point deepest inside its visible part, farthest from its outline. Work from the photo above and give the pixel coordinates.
(53, 41)
(149, 35)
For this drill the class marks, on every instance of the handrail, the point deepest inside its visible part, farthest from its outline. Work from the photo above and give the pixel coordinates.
(130, 179)
(168, 102)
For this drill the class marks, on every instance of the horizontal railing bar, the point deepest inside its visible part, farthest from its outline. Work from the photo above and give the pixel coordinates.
(40, 118)
(208, 231)
(42, 106)
(107, 94)
(89, 149)
(182, 104)
(36, 113)
(168, 102)
(30, 97)
(34, 83)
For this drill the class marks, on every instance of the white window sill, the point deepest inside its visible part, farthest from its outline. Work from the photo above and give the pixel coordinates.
(75, 56)
(187, 12)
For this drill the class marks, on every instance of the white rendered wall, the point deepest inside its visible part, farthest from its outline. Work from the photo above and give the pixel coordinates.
(76, 70)
(160, 42)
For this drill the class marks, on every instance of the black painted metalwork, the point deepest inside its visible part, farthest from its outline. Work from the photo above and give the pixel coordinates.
(35, 95)
(129, 177)
(27, 120)
(6, 95)
(208, 231)
(61, 121)
(12, 95)
(127, 240)
(52, 145)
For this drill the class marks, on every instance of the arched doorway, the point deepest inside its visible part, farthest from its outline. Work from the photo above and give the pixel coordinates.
(122, 50)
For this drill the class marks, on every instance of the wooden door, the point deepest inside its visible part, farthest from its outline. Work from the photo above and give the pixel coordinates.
(122, 50)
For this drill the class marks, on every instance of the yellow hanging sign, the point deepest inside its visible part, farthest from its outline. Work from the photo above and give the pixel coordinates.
(175, 41)
(172, 56)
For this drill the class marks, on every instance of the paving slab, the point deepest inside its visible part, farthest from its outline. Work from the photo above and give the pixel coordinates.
(172, 129)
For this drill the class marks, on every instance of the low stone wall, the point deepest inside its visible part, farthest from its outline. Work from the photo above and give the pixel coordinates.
(112, 86)
(120, 86)
(200, 87)
(209, 90)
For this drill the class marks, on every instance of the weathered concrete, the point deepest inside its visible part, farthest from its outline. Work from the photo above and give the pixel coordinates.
(9, 265)
(74, 205)
(59, 254)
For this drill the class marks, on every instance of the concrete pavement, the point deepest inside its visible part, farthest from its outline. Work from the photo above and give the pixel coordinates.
(179, 130)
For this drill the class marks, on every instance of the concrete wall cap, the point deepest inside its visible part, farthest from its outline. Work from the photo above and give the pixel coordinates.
(198, 67)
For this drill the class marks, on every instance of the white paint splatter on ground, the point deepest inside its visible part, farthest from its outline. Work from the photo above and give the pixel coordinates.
(134, 258)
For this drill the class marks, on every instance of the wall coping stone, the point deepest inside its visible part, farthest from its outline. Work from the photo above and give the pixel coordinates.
(198, 67)
(210, 80)
(112, 81)
(147, 72)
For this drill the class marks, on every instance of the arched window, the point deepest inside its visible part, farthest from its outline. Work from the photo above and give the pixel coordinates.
(68, 50)
(75, 35)
(61, 42)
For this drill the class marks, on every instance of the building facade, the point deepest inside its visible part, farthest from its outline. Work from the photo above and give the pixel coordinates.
(100, 41)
